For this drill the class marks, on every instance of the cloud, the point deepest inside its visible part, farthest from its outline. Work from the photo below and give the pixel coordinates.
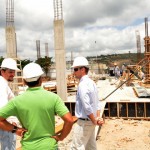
(91, 27)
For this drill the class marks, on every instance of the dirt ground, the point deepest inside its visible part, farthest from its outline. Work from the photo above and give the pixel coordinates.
(119, 134)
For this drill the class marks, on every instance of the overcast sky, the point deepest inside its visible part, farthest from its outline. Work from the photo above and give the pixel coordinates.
(92, 27)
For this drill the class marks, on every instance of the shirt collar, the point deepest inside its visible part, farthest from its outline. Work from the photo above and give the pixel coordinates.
(85, 76)
(35, 88)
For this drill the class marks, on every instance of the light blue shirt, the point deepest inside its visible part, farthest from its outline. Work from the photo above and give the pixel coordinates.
(87, 101)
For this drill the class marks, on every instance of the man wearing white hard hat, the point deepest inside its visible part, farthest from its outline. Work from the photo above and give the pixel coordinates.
(87, 108)
(7, 71)
(36, 109)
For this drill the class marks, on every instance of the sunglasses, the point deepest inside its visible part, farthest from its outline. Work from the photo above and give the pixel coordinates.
(76, 69)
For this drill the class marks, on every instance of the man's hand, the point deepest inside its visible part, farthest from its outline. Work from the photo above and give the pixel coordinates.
(57, 138)
(21, 132)
(100, 121)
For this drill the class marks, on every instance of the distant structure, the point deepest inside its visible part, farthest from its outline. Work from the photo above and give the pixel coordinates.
(38, 49)
(147, 53)
(59, 45)
(46, 50)
(71, 58)
(138, 44)
(11, 46)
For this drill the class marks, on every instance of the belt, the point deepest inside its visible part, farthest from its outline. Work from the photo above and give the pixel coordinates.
(85, 119)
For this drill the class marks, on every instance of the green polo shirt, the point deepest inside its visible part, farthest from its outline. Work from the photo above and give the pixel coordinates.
(36, 109)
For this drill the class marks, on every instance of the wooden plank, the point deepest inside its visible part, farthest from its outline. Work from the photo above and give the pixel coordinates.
(59, 128)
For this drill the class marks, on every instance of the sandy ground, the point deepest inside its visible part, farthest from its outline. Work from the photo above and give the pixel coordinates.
(118, 134)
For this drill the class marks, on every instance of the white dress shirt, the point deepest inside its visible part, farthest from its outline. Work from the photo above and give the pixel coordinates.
(87, 101)
(6, 94)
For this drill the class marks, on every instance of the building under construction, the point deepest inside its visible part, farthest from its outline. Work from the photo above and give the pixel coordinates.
(59, 43)
(127, 97)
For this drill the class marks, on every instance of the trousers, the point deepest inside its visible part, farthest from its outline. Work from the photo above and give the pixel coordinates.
(7, 140)
(83, 136)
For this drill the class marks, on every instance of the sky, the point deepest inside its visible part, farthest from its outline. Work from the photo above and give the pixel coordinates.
(92, 27)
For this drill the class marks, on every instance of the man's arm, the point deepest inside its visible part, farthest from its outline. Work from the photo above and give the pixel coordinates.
(95, 121)
(5, 125)
(68, 123)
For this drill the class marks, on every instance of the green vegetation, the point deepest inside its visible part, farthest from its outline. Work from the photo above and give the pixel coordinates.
(108, 59)
(44, 62)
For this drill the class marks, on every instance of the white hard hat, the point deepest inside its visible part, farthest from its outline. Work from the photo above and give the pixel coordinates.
(32, 72)
(9, 63)
(80, 61)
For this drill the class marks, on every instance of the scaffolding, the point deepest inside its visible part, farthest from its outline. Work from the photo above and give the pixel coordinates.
(147, 53)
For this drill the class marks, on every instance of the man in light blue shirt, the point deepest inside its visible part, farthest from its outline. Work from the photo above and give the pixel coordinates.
(87, 108)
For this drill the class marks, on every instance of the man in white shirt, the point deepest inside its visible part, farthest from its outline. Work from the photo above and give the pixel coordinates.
(7, 73)
(87, 108)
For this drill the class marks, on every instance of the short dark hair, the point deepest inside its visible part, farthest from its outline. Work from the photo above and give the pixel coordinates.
(33, 83)
(86, 69)
(2, 69)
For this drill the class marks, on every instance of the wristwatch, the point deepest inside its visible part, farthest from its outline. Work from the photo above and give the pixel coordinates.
(14, 129)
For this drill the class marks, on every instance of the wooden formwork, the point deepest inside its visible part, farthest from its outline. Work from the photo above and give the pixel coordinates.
(128, 110)
(71, 88)
(71, 106)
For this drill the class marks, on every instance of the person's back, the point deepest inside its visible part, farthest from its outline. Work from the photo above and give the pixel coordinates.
(36, 109)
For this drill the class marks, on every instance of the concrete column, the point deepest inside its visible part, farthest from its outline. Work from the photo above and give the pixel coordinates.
(60, 59)
(11, 47)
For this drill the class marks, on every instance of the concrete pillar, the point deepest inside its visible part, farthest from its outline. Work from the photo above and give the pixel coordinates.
(11, 47)
(60, 59)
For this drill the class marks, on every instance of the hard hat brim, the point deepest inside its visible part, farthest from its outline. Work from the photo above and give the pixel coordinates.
(32, 79)
(16, 69)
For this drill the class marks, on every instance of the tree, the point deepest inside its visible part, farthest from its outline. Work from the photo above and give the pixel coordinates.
(45, 63)
(24, 62)
(1, 59)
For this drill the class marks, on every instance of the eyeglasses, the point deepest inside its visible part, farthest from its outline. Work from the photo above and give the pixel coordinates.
(76, 69)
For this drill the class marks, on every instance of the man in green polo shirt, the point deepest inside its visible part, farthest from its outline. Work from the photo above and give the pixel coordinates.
(36, 109)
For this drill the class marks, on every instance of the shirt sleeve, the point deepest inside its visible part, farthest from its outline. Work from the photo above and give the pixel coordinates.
(8, 110)
(60, 107)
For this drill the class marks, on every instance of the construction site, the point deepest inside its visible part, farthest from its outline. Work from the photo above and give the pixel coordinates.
(124, 101)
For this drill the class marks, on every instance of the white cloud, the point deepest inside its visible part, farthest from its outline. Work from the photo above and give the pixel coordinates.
(92, 27)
